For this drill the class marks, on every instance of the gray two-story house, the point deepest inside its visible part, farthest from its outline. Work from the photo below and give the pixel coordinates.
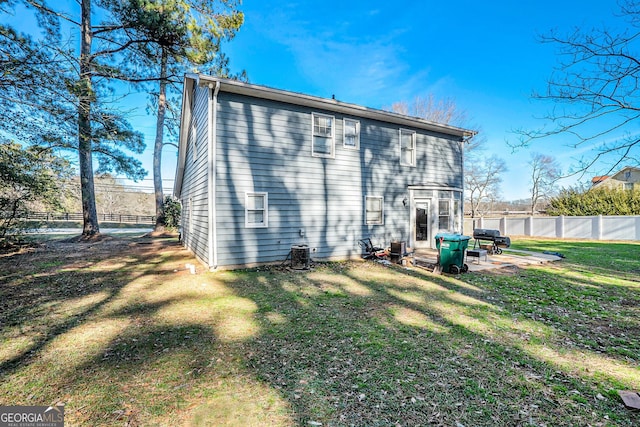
(260, 170)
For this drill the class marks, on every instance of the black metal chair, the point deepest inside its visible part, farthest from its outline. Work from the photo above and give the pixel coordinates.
(372, 252)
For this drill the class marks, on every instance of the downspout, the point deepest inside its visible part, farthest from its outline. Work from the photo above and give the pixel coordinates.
(465, 141)
(464, 184)
(211, 157)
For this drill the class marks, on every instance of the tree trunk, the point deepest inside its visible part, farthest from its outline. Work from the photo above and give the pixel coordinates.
(89, 214)
(473, 207)
(157, 148)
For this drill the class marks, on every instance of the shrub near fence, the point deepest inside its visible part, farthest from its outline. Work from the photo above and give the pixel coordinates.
(65, 216)
(570, 227)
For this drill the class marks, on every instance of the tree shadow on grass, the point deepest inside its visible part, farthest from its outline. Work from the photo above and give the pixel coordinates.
(409, 351)
(47, 293)
(345, 344)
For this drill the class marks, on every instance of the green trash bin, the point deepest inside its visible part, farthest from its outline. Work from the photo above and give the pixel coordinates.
(451, 249)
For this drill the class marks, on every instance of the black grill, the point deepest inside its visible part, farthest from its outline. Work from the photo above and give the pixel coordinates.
(493, 236)
(485, 234)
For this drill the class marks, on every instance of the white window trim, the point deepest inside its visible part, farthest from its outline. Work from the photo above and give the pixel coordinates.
(332, 138)
(344, 134)
(381, 214)
(265, 223)
(413, 151)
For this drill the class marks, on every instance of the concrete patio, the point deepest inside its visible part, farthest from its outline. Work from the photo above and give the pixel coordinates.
(508, 258)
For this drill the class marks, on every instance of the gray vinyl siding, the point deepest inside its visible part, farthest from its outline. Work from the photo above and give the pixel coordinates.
(195, 217)
(265, 146)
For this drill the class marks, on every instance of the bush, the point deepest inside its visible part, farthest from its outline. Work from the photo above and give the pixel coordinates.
(172, 212)
(601, 201)
(28, 178)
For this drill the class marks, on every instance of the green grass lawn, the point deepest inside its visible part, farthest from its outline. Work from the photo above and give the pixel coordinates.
(122, 334)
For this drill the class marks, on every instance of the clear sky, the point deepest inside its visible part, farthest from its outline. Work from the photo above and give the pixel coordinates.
(485, 55)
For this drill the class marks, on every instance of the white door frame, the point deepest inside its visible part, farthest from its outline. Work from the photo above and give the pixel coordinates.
(424, 243)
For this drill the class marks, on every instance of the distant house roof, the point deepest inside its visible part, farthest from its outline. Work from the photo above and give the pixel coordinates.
(622, 175)
(598, 179)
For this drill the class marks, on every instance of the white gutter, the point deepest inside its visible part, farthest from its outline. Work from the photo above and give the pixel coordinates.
(185, 117)
(211, 159)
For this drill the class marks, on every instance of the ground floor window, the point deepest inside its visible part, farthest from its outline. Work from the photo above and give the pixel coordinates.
(450, 211)
(457, 213)
(190, 215)
(374, 210)
(444, 214)
(256, 211)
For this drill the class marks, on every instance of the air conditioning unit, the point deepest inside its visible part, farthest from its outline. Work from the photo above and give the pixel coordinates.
(300, 257)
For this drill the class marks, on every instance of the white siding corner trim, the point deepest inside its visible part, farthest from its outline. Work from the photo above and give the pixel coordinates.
(212, 123)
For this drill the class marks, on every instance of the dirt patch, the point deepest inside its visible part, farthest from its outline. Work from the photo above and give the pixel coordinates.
(162, 234)
(76, 252)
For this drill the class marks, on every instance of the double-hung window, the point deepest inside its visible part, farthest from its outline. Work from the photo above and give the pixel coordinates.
(191, 220)
(407, 147)
(351, 134)
(374, 210)
(256, 211)
(194, 138)
(322, 144)
(444, 215)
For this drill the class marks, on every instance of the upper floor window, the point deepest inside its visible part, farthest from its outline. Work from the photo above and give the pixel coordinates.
(351, 134)
(407, 147)
(322, 144)
(194, 137)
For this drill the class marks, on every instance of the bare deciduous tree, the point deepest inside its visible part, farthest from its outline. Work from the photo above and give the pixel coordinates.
(595, 93)
(545, 172)
(482, 174)
(428, 107)
(482, 182)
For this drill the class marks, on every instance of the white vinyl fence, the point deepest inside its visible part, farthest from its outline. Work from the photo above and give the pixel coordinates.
(570, 227)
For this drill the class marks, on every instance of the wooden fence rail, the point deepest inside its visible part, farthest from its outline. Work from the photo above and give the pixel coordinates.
(71, 216)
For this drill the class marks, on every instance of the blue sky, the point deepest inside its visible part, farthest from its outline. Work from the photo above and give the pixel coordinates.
(483, 55)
